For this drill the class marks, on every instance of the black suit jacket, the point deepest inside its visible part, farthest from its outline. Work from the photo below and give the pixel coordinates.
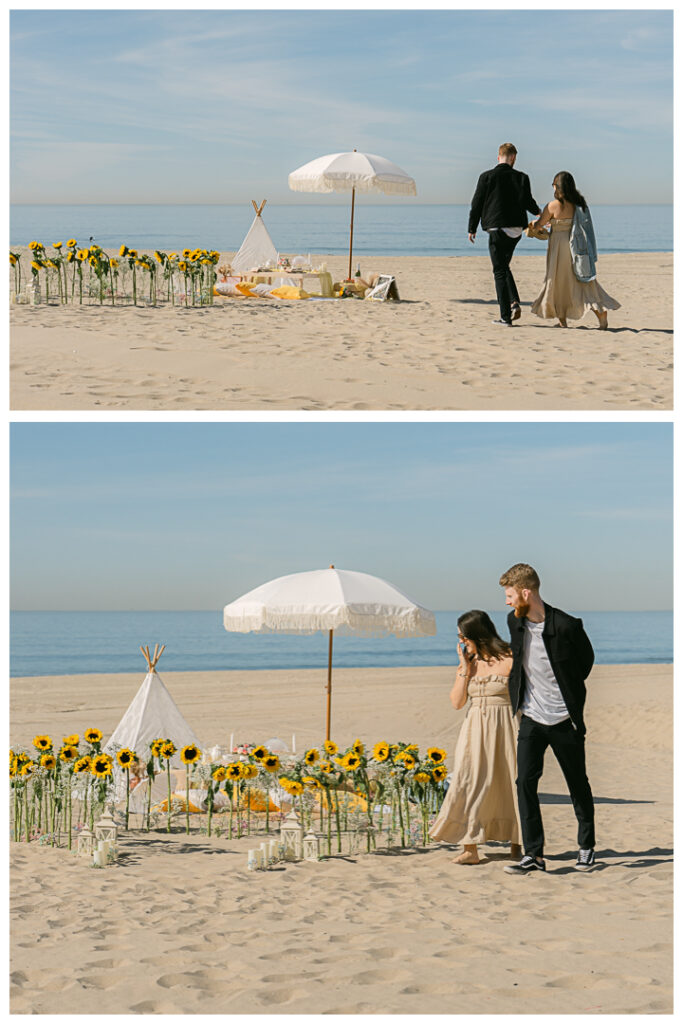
(501, 199)
(571, 657)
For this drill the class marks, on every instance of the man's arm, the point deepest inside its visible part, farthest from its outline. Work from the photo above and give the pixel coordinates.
(477, 205)
(584, 649)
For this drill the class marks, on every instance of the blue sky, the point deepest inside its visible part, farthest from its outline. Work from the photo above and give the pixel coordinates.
(219, 106)
(189, 516)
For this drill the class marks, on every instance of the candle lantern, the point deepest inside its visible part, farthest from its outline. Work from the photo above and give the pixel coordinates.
(311, 847)
(105, 829)
(291, 833)
(86, 842)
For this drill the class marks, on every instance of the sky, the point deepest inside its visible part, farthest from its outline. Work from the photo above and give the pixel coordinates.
(182, 516)
(214, 106)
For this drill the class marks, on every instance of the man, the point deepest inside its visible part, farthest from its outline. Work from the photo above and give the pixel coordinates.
(552, 656)
(500, 201)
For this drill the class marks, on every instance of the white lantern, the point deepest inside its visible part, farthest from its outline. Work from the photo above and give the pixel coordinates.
(291, 833)
(311, 847)
(86, 842)
(106, 828)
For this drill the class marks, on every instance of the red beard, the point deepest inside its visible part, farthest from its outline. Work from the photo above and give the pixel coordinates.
(521, 611)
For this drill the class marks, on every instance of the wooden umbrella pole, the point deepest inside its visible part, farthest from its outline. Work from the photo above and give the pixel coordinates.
(329, 686)
(353, 203)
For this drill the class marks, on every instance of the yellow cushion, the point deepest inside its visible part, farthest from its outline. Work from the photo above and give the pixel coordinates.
(289, 291)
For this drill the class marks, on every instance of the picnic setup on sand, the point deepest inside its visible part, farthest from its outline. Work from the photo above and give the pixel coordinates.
(155, 775)
(72, 273)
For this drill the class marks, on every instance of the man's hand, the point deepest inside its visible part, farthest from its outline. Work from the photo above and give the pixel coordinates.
(472, 236)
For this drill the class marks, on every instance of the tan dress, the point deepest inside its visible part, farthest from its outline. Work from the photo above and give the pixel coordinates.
(481, 801)
(563, 295)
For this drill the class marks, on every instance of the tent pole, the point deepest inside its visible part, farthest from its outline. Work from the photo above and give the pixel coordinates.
(329, 686)
(353, 203)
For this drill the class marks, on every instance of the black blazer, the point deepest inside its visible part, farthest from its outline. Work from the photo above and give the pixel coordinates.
(571, 657)
(501, 199)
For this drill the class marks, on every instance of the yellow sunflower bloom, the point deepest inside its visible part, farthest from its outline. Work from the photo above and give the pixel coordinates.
(436, 754)
(36, 265)
(326, 767)
(380, 751)
(70, 741)
(351, 762)
(408, 762)
(156, 746)
(83, 765)
(34, 245)
(101, 766)
(69, 257)
(27, 768)
(168, 749)
(190, 754)
(125, 757)
(114, 262)
(159, 256)
(249, 771)
(68, 753)
(259, 753)
(439, 773)
(173, 256)
(187, 253)
(235, 770)
(412, 747)
(219, 773)
(132, 252)
(57, 245)
(48, 761)
(182, 265)
(42, 743)
(81, 255)
(422, 778)
(358, 747)
(92, 735)
(13, 259)
(331, 747)
(271, 763)
(309, 780)
(311, 756)
(71, 243)
(14, 766)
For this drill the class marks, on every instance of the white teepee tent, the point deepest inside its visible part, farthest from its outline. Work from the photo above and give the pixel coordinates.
(257, 249)
(152, 714)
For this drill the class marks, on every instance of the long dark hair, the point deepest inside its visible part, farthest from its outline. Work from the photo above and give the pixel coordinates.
(478, 628)
(566, 186)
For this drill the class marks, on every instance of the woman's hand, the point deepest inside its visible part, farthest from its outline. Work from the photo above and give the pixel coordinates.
(467, 659)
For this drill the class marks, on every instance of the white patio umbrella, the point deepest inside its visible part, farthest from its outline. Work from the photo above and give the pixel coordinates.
(332, 600)
(352, 172)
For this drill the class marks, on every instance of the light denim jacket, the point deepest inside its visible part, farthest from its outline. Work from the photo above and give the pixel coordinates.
(582, 245)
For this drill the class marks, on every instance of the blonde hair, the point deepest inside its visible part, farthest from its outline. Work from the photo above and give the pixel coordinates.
(522, 576)
(507, 149)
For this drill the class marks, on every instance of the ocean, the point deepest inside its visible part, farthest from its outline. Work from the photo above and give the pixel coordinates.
(389, 229)
(74, 643)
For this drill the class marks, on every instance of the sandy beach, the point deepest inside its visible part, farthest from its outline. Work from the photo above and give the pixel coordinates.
(180, 926)
(436, 349)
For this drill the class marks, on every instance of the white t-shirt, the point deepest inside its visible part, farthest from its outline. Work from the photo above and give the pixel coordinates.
(543, 700)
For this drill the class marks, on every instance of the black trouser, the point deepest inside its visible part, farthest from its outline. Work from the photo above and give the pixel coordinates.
(501, 248)
(568, 747)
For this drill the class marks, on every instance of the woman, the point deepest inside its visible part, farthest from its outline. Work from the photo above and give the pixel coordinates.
(570, 288)
(480, 804)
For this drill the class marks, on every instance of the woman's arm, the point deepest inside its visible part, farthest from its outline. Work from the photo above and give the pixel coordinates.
(546, 216)
(465, 671)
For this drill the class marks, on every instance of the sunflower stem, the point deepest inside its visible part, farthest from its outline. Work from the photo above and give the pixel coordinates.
(187, 799)
(168, 779)
(26, 822)
(127, 796)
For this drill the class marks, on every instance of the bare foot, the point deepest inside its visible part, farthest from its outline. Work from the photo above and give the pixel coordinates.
(602, 319)
(563, 323)
(468, 856)
(515, 851)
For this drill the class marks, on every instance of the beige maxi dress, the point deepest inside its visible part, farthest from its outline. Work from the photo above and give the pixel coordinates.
(563, 295)
(481, 801)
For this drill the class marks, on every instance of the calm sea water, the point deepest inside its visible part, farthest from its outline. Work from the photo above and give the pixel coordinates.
(392, 229)
(72, 643)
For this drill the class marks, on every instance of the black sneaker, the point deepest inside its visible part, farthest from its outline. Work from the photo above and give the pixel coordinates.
(526, 865)
(585, 860)
(502, 323)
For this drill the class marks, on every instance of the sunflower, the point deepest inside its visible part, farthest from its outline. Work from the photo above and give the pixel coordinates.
(182, 265)
(271, 763)
(326, 767)
(351, 761)
(422, 778)
(408, 761)
(14, 766)
(71, 243)
(219, 773)
(249, 771)
(92, 735)
(42, 743)
(380, 751)
(439, 773)
(259, 753)
(190, 754)
(81, 255)
(311, 756)
(114, 263)
(36, 264)
(234, 770)
(57, 245)
(291, 786)
(168, 749)
(358, 748)
(331, 747)
(26, 768)
(187, 253)
(412, 746)
(84, 764)
(309, 780)
(13, 259)
(132, 252)
(159, 256)
(155, 746)
(125, 757)
(48, 761)
(101, 766)
(71, 741)
(68, 753)
(173, 256)
(35, 245)
(436, 755)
